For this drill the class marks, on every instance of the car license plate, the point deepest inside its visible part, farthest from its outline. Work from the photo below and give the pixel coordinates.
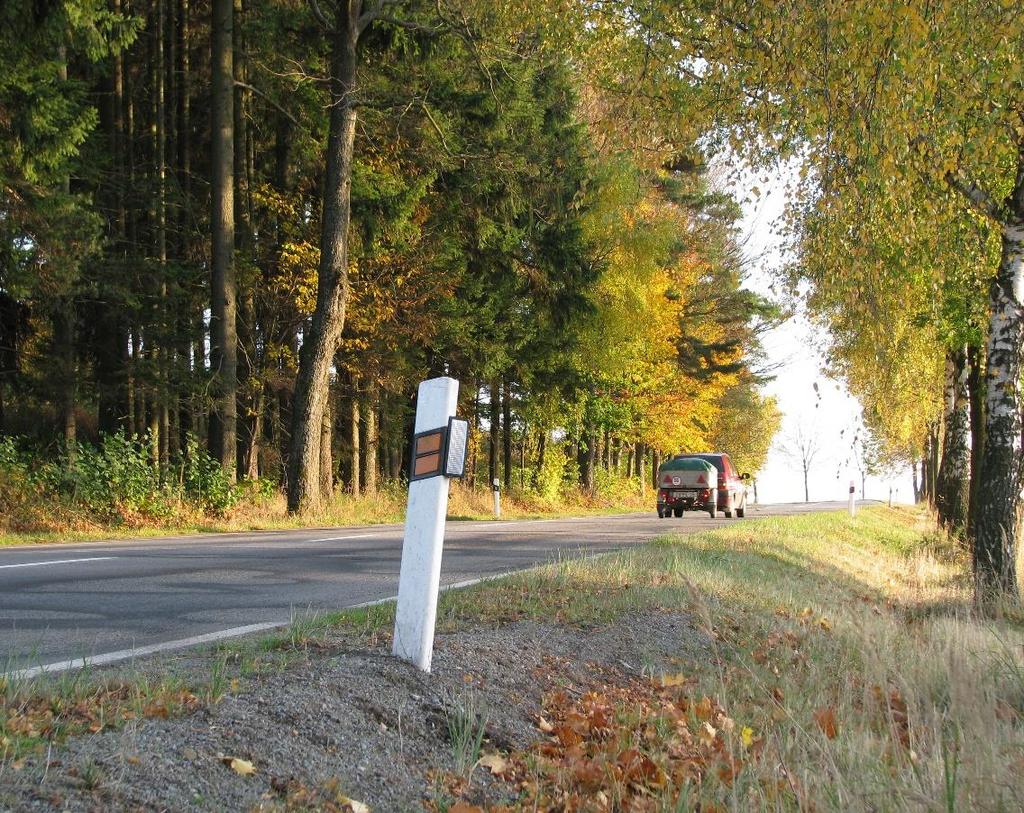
(682, 495)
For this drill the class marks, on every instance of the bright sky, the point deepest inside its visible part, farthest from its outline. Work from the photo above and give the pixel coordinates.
(831, 415)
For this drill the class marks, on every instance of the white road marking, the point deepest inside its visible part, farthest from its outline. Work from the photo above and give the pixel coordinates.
(60, 562)
(336, 538)
(126, 654)
(183, 643)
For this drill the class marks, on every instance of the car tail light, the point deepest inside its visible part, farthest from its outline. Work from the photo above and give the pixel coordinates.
(663, 494)
(705, 493)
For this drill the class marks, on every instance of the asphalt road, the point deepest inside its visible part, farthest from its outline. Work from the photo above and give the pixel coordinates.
(91, 600)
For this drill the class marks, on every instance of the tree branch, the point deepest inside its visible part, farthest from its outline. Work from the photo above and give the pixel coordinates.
(368, 17)
(314, 6)
(978, 198)
(267, 98)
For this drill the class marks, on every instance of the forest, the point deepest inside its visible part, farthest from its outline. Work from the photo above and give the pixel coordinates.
(234, 240)
(236, 235)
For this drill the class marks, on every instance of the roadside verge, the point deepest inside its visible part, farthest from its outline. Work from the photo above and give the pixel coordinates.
(810, 661)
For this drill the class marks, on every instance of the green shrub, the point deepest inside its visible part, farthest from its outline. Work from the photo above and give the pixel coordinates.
(204, 482)
(111, 478)
(615, 488)
(118, 478)
(555, 474)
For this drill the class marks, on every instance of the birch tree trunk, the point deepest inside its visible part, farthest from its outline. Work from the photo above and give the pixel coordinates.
(999, 513)
(321, 340)
(976, 388)
(953, 488)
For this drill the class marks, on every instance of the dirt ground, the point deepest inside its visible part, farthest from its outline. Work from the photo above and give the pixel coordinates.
(347, 719)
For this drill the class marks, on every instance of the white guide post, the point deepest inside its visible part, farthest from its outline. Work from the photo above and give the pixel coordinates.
(853, 499)
(496, 488)
(420, 576)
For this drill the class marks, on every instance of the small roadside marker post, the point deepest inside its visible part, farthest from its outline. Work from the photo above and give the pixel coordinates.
(496, 488)
(853, 499)
(439, 453)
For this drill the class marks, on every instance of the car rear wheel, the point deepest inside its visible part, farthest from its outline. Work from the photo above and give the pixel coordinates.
(677, 511)
(742, 510)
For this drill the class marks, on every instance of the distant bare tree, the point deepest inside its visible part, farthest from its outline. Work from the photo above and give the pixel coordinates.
(801, 446)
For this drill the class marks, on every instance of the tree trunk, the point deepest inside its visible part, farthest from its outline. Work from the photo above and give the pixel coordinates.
(162, 366)
(640, 462)
(326, 456)
(976, 388)
(542, 447)
(998, 518)
(807, 489)
(321, 342)
(953, 488)
(356, 488)
(506, 434)
(655, 463)
(136, 420)
(252, 456)
(932, 464)
(395, 472)
(917, 485)
(64, 324)
(590, 459)
(494, 433)
(223, 329)
(370, 447)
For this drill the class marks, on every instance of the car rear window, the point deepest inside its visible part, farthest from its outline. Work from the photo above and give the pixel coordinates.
(714, 459)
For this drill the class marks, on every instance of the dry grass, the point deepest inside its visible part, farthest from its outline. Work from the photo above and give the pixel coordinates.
(851, 651)
(44, 523)
(848, 671)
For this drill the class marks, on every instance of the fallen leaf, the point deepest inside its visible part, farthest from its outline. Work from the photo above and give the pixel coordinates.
(747, 736)
(667, 681)
(239, 766)
(462, 807)
(825, 717)
(358, 807)
(495, 763)
(704, 708)
(567, 736)
(824, 624)
(545, 726)
(707, 733)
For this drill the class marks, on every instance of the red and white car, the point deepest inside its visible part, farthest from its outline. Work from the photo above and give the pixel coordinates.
(732, 489)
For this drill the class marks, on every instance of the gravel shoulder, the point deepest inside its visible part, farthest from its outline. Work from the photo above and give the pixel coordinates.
(340, 717)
